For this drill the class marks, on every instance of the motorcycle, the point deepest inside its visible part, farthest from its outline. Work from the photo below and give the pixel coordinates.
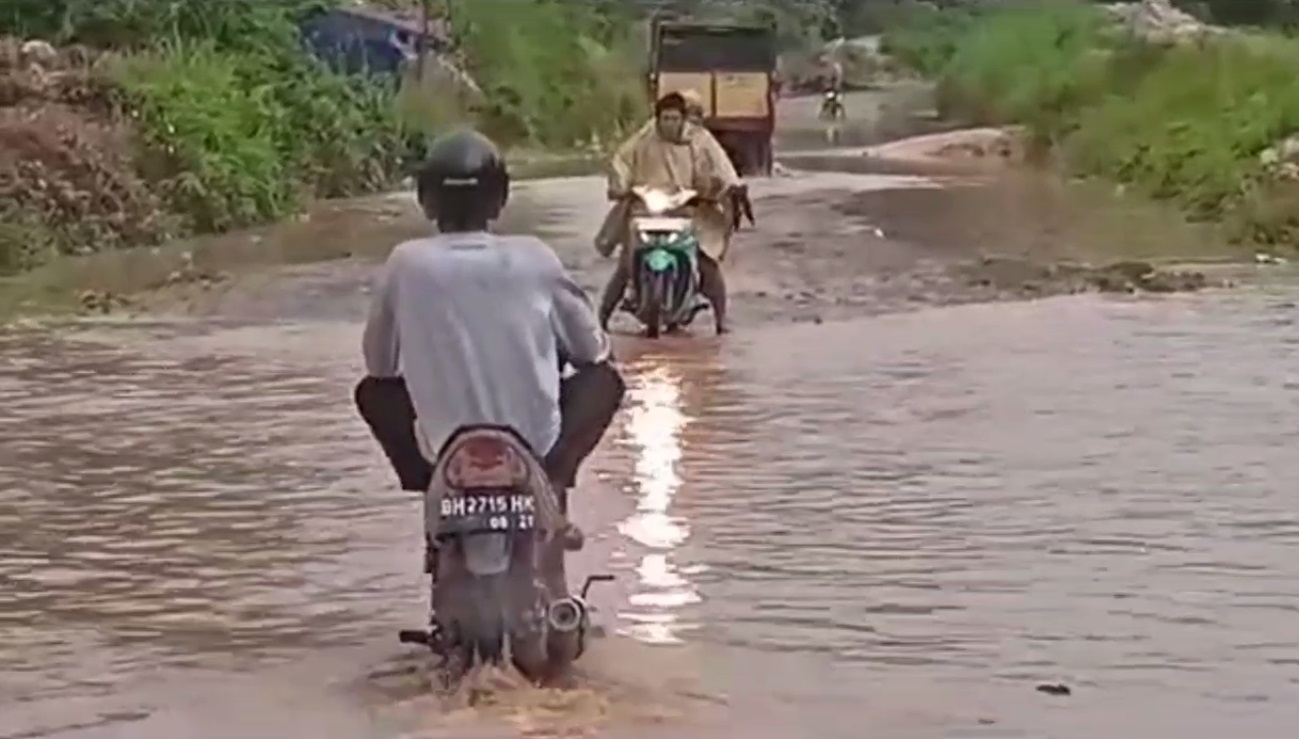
(832, 106)
(665, 262)
(495, 533)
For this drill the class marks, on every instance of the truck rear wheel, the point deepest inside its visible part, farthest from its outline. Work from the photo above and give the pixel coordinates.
(762, 155)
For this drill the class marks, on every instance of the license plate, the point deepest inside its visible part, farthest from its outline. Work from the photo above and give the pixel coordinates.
(489, 512)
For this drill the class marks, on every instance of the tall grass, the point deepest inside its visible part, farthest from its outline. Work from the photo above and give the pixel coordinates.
(239, 125)
(1037, 66)
(1193, 126)
(139, 24)
(241, 138)
(554, 73)
(214, 135)
(924, 38)
(1185, 122)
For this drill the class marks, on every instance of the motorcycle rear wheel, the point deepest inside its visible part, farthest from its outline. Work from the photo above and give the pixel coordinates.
(528, 655)
(476, 626)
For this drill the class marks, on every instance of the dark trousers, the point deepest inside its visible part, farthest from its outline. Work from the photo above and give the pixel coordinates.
(588, 401)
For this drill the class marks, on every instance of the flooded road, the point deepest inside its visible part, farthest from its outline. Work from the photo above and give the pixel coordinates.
(908, 521)
(874, 522)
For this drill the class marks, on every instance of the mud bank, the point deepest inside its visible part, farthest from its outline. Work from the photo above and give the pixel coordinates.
(996, 146)
(828, 246)
(840, 233)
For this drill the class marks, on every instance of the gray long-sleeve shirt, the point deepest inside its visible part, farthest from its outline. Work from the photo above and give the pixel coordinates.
(475, 323)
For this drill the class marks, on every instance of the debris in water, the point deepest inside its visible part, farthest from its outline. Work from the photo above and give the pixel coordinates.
(1054, 689)
(100, 301)
(1025, 277)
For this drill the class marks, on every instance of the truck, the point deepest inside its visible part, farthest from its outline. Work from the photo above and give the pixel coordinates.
(732, 66)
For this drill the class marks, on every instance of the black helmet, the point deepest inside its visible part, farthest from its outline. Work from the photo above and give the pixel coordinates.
(464, 183)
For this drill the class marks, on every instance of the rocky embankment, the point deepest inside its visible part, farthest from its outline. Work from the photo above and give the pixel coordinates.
(67, 158)
(1026, 278)
(1158, 21)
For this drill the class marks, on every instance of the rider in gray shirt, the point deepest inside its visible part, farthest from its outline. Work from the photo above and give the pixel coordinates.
(477, 324)
(467, 327)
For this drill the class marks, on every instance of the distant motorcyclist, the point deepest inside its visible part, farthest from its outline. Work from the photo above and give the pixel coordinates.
(675, 155)
(831, 88)
(831, 75)
(470, 327)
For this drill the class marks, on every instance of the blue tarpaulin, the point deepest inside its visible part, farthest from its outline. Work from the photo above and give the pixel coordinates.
(360, 41)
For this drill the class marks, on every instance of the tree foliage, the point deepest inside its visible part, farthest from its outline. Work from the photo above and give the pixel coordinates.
(231, 123)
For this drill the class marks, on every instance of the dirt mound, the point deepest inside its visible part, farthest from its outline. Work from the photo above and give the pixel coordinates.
(1027, 278)
(67, 176)
(1159, 21)
(965, 145)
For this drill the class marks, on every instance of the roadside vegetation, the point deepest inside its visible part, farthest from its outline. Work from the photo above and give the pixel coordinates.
(153, 119)
(1203, 120)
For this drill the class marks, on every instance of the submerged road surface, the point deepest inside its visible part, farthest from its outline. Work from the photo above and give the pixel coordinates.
(843, 520)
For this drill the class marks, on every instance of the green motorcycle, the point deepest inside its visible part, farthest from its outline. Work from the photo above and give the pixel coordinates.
(665, 262)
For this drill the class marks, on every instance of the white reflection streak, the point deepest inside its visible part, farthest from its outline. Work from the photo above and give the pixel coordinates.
(655, 425)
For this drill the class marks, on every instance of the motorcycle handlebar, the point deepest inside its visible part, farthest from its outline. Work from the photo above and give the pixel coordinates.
(696, 200)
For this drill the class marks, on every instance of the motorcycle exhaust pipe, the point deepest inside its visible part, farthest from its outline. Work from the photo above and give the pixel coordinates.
(568, 619)
(567, 615)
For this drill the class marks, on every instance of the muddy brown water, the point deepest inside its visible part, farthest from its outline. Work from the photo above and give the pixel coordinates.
(845, 519)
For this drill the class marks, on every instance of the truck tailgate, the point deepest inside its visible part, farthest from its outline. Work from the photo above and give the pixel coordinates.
(725, 94)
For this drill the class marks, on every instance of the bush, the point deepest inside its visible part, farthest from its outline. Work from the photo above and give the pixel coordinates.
(1037, 66)
(242, 138)
(67, 178)
(1194, 126)
(236, 125)
(1184, 122)
(138, 24)
(213, 134)
(220, 119)
(923, 38)
(554, 73)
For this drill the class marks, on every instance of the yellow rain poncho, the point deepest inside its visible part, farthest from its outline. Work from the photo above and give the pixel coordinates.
(698, 163)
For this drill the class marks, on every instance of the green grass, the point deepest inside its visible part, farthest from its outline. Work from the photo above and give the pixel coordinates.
(238, 138)
(1183, 123)
(924, 38)
(555, 74)
(238, 126)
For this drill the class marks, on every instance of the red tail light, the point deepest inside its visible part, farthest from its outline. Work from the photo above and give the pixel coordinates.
(484, 461)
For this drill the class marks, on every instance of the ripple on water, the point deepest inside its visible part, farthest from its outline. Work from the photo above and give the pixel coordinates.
(655, 421)
(1008, 489)
(184, 505)
(1095, 490)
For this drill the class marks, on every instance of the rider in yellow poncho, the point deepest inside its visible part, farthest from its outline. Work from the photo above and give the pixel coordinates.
(672, 153)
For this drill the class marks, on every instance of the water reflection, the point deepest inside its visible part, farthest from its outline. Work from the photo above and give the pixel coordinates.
(655, 422)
